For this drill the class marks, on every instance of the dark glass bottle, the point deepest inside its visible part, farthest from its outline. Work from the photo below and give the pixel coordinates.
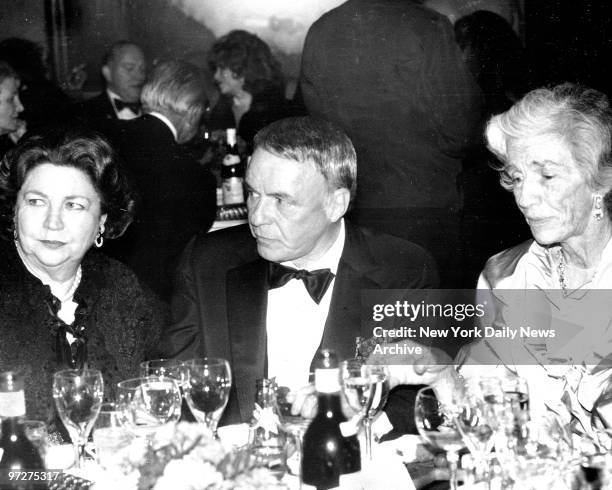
(18, 453)
(330, 458)
(232, 172)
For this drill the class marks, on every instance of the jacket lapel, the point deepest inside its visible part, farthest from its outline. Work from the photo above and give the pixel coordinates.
(247, 303)
(356, 272)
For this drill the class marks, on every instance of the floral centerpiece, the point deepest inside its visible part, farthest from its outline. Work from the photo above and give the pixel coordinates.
(187, 457)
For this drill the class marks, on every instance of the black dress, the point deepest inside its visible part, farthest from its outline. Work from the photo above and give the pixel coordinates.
(121, 321)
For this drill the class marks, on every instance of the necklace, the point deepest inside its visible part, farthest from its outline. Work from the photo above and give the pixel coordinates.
(73, 287)
(561, 270)
(562, 273)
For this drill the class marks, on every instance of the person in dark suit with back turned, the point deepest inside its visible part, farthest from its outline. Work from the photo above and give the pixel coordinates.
(177, 196)
(237, 295)
(124, 70)
(391, 75)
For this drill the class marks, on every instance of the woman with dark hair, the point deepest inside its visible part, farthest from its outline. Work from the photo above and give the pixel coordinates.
(63, 304)
(251, 84)
(10, 108)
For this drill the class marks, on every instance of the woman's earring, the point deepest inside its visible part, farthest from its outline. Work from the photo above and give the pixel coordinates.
(99, 241)
(15, 236)
(598, 207)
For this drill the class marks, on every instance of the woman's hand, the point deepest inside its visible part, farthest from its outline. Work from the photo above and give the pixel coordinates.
(425, 365)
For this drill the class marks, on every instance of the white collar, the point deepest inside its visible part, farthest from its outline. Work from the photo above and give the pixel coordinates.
(330, 259)
(167, 122)
(112, 95)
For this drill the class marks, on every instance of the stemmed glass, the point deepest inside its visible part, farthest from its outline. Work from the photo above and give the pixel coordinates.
(207, 386)
(165, 368)
(436, 424)
(365, 387)
(149, 402)
(480, 414)
(78, 395)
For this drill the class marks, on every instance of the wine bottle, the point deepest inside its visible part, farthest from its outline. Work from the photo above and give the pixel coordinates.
(232, 172)
(18, 453)
(331, 457)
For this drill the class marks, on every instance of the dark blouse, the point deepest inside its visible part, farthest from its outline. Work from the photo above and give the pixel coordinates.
(266, 107)
(122, 322)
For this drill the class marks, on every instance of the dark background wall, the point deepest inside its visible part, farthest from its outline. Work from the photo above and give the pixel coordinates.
(568, 40)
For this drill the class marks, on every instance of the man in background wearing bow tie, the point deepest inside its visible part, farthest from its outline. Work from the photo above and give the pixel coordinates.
(124, 69)
(268, 295)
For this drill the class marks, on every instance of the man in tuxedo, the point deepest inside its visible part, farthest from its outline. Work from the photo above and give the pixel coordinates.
(268, 295)
(124, 69)
(176, 196)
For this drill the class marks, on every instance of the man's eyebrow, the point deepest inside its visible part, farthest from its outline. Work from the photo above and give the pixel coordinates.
(282, 195)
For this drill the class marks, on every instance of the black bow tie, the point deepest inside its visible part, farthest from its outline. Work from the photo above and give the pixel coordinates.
(132, 106)
(316, 282)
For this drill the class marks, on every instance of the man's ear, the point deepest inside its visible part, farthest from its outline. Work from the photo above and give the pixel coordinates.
(106, 73)
(339, 200)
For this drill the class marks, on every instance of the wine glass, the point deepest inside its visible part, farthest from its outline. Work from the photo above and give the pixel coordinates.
(78, 395)
(480, 415)
(149, 402)
(170, 368)
(436, 425)
(207, 386)
(365, 387)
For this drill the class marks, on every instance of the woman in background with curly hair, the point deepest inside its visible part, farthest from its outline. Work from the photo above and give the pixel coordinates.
(251, 84)
(63, 304)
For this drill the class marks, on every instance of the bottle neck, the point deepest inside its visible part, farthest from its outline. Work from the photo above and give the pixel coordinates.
(329, 402)
(327, 380)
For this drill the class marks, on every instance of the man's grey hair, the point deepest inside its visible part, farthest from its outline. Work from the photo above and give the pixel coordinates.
(175, 88)
(320, 142)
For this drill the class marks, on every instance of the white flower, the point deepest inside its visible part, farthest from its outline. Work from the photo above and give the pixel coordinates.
(186, 474)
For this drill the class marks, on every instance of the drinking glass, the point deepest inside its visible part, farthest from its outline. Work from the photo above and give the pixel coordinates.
(479, 416)
(149, 402)
(78, 396)
(164, 368)
(436, 425)
(110, 434)
(207, 386)
(365, 387)
(294, 426)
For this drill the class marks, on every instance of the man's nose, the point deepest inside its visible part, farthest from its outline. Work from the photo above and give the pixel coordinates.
(258, 212)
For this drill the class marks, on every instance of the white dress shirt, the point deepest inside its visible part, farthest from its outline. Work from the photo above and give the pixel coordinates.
(295, 323)
(124, 114)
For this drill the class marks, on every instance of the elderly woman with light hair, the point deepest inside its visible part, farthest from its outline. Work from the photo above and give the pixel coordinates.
(555, 149)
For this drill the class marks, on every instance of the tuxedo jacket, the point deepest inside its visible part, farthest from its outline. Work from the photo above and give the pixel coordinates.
(97, 113)
(175, 199)
(219, 304)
